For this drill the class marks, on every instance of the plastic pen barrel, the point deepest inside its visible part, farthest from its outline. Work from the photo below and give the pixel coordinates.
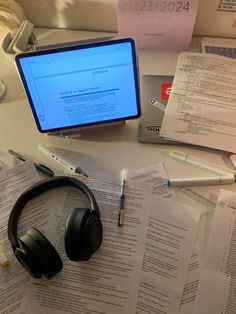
(202, 163)
(200, 181)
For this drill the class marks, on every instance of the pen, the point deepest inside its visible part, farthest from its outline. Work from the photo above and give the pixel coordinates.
(42, 168)
(122, 197)
(3, 258)
(200, 181)
(201, 163)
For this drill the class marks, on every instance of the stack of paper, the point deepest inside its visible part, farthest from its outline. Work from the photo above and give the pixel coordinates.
(149, 265)
(202, 105)
(141, 267)
(216, 293)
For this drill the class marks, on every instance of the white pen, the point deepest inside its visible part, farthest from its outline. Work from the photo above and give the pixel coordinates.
(200, 181)
(60, 160)
(202, 163)
(122, 197)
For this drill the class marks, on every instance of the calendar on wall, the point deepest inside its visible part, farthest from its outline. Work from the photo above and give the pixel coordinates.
(163, 25)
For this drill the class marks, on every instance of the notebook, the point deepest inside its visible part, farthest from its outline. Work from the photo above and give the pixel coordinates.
(81, 85)
(154, 98)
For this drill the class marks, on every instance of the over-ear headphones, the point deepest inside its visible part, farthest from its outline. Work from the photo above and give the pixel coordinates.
(83, 231)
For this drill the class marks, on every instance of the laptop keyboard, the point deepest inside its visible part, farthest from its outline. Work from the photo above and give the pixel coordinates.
(223, 51)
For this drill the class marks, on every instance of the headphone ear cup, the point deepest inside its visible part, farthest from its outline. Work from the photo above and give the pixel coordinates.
(27, 260)
(39, 255)
(83, 235)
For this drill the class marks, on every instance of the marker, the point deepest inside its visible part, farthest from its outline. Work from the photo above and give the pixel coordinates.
(3, 258)
(202, 163)
(72, 168)
(42, 168)
(232, 157)
(200, 181)
(122, 198)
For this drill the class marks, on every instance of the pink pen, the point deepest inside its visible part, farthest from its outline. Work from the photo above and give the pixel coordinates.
(232, 157)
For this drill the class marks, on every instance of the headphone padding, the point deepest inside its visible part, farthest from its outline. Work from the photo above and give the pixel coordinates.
(43, 252)
(93, 233)
(74, 239)
(83, 234)
(28, 261)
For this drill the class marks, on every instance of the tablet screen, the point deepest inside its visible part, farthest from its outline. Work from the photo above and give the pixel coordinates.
(81, 85)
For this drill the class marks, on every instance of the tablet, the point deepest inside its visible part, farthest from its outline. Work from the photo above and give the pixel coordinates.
(83, 85)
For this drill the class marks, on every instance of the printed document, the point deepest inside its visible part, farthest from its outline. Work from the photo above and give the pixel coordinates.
(14, 278)
(132, 259)
(191, 284)
(108, 282)
(170, 238)
(216, 294)
(152, 179)
(202, 105)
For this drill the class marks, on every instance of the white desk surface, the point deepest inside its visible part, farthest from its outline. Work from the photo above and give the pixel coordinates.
(101, 151)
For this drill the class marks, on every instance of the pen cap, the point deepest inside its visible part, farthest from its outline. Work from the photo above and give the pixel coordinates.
(178, 155)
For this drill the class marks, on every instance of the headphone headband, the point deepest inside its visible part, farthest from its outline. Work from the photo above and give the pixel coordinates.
(39, 188)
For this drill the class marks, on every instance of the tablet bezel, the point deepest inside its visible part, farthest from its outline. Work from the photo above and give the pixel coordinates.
(18, 57)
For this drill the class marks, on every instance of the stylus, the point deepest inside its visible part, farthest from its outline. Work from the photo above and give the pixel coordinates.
(42, 168)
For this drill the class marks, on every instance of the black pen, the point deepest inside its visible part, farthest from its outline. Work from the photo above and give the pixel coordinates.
(42, 168)
(122, 198)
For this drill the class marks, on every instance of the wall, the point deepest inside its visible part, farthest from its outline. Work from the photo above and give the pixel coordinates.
(101, 15)
(216, 18)
(97, 15)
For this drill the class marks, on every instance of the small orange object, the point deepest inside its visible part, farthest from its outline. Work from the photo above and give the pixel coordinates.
(3, 258)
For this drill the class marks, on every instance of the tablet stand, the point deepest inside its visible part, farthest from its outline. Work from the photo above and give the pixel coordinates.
(78, 132)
